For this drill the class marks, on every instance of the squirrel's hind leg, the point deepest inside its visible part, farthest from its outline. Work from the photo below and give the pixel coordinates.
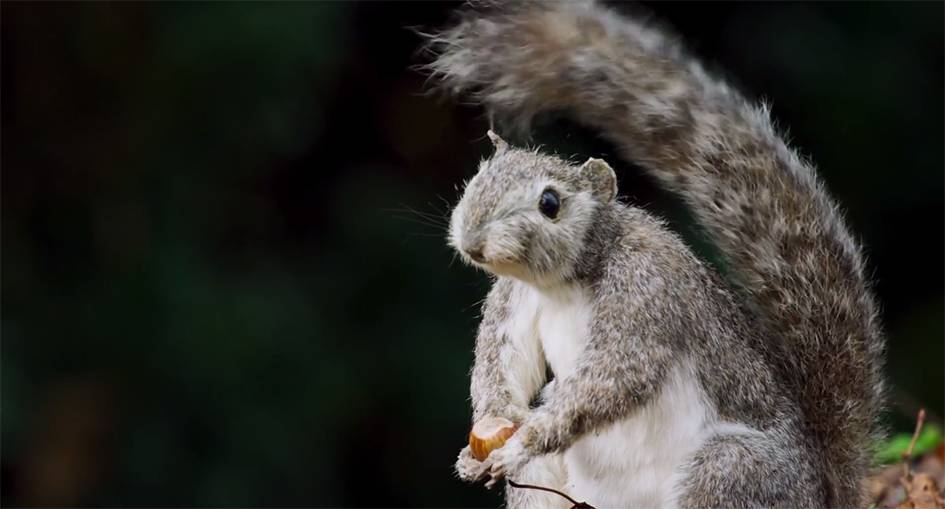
(547, 471)
(751, 470)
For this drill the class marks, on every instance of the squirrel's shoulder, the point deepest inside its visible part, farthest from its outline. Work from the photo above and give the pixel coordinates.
(628, 239)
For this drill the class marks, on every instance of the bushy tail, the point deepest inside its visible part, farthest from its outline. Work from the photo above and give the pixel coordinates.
(782, 236)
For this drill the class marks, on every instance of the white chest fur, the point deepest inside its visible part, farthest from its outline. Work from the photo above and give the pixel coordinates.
(638, 461)
(563, 320)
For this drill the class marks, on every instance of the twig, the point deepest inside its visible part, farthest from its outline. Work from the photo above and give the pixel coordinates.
(915, 436)
(576, 504)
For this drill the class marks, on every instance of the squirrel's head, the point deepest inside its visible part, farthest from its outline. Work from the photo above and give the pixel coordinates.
(526, 214)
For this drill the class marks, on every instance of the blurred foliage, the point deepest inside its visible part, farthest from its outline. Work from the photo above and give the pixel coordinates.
(894, 449)
(215, 291)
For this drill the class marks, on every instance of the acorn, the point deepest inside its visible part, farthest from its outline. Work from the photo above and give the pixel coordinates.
(488, 434)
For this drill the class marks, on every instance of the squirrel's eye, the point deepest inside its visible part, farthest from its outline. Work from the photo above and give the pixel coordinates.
(549, 203)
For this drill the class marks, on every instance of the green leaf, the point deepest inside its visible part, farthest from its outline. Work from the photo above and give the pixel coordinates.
(892, 450)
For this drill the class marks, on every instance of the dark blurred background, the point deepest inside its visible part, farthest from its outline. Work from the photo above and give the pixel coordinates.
(220, 287)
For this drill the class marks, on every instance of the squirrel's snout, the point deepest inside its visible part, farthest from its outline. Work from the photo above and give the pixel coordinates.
(475, 253)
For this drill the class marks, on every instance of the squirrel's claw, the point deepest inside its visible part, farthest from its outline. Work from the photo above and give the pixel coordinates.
(468, 468)
(508, 459)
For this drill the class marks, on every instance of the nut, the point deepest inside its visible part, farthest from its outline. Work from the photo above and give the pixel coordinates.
(488, 434)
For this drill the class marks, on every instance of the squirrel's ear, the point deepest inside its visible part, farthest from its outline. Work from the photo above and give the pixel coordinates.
(602, 178)
(499, 144)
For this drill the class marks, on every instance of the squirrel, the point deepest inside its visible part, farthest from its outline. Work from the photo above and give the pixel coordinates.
(672, 387)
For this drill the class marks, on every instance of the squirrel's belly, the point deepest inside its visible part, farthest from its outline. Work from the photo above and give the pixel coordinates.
(638, 461)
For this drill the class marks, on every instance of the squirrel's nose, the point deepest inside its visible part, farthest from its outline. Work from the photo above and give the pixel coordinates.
(475, 253)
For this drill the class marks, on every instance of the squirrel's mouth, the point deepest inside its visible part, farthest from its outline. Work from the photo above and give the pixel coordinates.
(504, 267)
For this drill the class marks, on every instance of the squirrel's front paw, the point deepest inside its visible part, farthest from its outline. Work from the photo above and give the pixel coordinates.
(507, 460)
(469, 469)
